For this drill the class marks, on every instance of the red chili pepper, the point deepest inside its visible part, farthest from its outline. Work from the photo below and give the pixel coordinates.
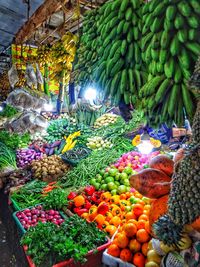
(103, 208)
(72, 195)
(89, 190)
(87, 205)
(79, 211)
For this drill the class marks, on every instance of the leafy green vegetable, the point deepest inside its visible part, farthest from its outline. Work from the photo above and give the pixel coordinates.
(56, 199)
(8, 111)
(29, 194)
(7, 158)
(49, 244)
(14, 140)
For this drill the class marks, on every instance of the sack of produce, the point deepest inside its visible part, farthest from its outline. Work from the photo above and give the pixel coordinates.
(13, 76)
(22, 99)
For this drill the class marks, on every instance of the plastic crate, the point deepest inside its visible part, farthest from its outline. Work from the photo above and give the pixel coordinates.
(75, 162)
(19, 225)
(15, 204)
(93, 259)
(111, 261)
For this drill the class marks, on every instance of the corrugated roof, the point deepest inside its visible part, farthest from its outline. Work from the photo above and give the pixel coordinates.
(13, 14)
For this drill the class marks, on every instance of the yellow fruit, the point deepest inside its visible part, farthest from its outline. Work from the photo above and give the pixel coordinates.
(151, 264)
(166, 248)
(185, 242)
(150, 246)
(153, 256)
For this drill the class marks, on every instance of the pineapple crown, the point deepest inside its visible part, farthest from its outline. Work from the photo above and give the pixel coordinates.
(167, 231)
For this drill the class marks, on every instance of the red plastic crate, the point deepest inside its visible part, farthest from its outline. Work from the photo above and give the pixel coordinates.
(93, 259)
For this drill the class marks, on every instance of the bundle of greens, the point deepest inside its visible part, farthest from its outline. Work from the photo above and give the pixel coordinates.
(7, 158)
(14, 140)
(30, 194)
(89, 167)
(8, 111)
(49, 244)
(56, 199)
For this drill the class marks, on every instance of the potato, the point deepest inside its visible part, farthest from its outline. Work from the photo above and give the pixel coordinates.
(44, 169)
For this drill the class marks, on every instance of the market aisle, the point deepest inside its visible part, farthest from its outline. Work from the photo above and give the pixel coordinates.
(11, 253)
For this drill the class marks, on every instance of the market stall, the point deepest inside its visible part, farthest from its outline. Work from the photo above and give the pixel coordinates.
(98, 160)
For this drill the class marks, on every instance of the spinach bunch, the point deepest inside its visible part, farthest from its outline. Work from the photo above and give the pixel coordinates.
(56, 199)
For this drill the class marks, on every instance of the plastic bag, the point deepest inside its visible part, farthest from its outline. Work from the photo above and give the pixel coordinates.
(13, 76)
(30, 75)
(39, 76)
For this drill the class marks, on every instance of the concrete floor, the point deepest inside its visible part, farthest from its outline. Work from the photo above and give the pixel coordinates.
(11, 254)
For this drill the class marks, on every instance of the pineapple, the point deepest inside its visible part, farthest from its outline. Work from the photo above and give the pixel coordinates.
(184, 198)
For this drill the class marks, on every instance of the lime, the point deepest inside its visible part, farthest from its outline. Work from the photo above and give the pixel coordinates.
(109, 179)
(121, 189)
(123, 175)
(128, 170)
(99, 179)
(104, 187)
(111, 186)
(117, 183)
(92, 181)
(117, 176)
(106, 174)
(126, 182)
(114, 192)
(97, 186)
(113, 172)
(102, 172)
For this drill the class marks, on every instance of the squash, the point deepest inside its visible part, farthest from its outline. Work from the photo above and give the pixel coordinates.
(151, 183)
(158, 208)
(162, 163)
(179, 155)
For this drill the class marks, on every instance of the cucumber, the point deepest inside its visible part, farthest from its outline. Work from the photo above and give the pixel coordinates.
(171, 12)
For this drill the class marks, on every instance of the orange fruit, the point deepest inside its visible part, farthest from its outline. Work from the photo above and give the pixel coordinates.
(138, 209)
(116, 221)
(122, 240)
(99, 219)
(146, 212)
(133, 221)
(141, 224)
(130, 229)
(113, 250)
(134, 245)
(138, 195)
(147, 227)
(130, 215)
(126, 255)
(145, 249)
(111, 229)
(142, 236)
(141, 202)
(147, 207)
(139, 260)
(143, 217)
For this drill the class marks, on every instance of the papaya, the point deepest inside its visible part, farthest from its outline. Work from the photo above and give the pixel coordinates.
(162, 163)
(151, 183)
(158, 209)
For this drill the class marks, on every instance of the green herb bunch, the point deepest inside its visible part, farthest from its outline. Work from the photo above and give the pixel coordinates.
(14, 140)
(9, 111)
(49, 244)
(56, 199)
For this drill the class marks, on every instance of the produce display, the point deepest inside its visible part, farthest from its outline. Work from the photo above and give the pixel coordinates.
(4, 86)
(98, 143)
(105, 120)
(84, 180)
(31, 216)
(49, 168)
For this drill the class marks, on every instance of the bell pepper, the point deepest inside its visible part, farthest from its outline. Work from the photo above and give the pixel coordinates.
(80, 211)
(87, 205)
(71, 195)
(89, 190)
(103, 208)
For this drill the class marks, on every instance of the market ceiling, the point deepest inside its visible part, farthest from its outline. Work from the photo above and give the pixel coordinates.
(13, 14)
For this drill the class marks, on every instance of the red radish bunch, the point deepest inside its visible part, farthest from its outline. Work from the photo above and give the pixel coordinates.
(30, 217)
